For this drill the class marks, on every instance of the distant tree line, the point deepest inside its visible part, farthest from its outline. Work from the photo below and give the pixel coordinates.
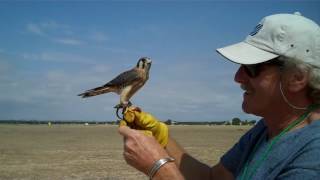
(234, 121)
(238, 121)
(54, 122)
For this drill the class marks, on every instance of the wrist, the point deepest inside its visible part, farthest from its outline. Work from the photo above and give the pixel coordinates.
(158, 165)
(168, 171)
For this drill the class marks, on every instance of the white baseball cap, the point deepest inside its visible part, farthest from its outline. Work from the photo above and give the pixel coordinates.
(289, 35)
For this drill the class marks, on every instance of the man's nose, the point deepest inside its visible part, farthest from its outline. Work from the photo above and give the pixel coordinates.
(241, 76)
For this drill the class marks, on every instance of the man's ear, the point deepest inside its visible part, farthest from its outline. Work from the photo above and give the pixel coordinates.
(297, 81)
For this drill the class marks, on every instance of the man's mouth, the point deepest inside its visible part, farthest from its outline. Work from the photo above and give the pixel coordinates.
(246, 89)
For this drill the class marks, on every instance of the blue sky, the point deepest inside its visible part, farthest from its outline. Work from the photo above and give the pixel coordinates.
(52, 51)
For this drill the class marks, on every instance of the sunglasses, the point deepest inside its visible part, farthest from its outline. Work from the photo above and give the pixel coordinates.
(253, 70)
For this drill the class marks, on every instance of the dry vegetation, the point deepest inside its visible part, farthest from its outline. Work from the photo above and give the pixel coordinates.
(95, 151)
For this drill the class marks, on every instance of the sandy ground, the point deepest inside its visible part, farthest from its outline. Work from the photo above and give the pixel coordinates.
(94, 151)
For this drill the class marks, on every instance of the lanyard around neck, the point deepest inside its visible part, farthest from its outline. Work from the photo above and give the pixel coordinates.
(249, 170)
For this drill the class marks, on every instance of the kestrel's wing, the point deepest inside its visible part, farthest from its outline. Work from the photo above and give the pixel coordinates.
(115, 85)
(124, 78)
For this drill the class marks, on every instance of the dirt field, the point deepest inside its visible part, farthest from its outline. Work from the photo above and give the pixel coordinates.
(94, 151)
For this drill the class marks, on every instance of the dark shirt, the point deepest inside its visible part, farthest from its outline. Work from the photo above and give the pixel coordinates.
(295, 156)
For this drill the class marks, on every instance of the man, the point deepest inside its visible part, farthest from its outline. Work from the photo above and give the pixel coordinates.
(280, 74)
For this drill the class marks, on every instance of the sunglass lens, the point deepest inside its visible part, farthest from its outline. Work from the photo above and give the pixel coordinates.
(250, 70)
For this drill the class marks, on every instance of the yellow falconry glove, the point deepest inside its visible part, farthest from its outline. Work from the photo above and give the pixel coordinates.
(133, 126)
(137, 119)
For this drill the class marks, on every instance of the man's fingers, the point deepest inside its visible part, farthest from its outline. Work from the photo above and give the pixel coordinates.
(146, 132)
(124, 131)
(122, 123)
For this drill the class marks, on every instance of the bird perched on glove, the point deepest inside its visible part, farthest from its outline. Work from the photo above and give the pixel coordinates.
(125, 84)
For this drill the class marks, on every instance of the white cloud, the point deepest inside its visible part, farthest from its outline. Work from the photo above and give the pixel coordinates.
(101, 68)
(59, 57)
(55, 32)
(36, 29)
(68, 41)
(99, 36)
(46, 28)
(4, 68)
(53, 25)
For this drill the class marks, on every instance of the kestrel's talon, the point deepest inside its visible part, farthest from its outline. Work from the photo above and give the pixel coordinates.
(118, 106)
(117, 113)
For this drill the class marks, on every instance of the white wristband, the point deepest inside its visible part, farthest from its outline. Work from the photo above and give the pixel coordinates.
(157, 165)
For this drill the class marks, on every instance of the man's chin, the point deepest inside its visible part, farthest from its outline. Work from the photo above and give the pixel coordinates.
(251, 110)
(246, 108)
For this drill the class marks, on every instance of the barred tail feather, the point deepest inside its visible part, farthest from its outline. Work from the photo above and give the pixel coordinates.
(95, 92)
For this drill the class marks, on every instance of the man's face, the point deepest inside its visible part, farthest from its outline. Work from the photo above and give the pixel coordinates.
(262, 93)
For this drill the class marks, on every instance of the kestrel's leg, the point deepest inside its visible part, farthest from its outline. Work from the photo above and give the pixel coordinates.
(129, 104)
(125, 106)
(124, 100)
(122, 106)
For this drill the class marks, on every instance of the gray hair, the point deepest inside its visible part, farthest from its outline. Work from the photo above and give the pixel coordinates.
(313, 72)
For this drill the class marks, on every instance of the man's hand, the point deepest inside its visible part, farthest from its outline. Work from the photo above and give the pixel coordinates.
(140, 151)
(137, 119)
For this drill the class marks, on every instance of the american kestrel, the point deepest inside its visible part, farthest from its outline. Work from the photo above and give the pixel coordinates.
(125, 84)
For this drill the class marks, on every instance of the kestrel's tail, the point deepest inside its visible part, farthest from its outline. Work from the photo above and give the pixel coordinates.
(95, 91)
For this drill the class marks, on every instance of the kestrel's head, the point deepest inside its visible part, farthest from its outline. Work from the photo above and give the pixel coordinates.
(144, 63)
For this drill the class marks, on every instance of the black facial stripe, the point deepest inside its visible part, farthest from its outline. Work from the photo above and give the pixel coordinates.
(143, 63)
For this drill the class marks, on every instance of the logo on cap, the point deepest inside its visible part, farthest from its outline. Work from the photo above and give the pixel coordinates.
(256, 29)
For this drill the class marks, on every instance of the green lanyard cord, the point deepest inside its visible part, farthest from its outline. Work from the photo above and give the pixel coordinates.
(246, 174)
